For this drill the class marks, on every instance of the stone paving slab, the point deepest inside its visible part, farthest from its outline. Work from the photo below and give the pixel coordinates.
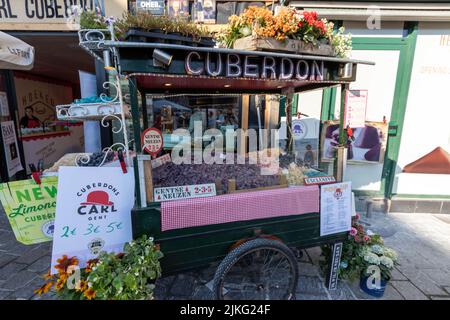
(408, 290)
(422, 241)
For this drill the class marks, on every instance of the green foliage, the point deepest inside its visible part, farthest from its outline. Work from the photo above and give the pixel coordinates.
(147, 22)
(123, 276)
(127, 276)
(91, 20)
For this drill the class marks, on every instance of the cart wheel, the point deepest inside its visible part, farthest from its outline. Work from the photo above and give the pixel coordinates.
(259, 269)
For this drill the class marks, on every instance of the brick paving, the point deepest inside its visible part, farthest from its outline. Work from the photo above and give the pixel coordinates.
(422, 241)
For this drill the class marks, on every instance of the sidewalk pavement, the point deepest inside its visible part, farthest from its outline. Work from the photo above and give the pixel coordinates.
(421, 240)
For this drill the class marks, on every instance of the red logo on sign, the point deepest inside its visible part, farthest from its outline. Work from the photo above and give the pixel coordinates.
(97, 198)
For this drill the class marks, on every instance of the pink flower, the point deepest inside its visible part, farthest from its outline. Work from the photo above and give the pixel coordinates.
(366, 238)
(357, 216)
(353, 232)
(357, 239)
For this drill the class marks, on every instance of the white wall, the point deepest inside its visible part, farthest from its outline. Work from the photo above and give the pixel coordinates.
(310, 103)
(391, 29)
(426, 124)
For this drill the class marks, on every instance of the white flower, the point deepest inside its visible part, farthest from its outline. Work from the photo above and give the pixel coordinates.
(370, 232)
(377, 249)
(388, 252)
(387, 262)
(372, 258)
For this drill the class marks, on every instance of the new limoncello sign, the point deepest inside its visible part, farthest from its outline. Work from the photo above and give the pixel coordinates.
(30, 208)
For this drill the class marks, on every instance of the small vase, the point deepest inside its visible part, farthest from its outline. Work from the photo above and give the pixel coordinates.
(377, 292)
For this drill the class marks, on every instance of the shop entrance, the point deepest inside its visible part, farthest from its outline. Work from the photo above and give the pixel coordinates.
(54, 80)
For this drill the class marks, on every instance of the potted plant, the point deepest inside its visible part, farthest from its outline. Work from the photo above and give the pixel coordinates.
(125, 276)
(364, 256)
(378, 262)
(142, 26)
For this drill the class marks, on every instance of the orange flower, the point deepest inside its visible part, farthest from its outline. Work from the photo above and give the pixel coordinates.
(48, 275)
(61, 282)
(44, 288)
(64, 263)
(120, 255)
(90, 264)
(89, 293)
(83, 286)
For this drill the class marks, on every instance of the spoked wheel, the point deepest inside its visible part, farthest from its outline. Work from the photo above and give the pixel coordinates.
(259, 269)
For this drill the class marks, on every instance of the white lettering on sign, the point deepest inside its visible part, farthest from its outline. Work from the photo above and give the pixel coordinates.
(150, 4)
(44, 9)
(154, 6)
(184, 192)
(319, 180)
(233, 65)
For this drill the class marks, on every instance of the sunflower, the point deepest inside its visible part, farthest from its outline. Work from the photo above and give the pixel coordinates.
(89, 293)
(44, 289)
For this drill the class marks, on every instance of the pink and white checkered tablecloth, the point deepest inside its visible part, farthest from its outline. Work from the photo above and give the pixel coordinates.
(239, 207)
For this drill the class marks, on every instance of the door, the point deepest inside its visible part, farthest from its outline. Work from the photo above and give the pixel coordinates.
(387, 83)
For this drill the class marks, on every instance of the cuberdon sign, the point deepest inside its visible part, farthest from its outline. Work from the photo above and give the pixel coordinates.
(234, 65)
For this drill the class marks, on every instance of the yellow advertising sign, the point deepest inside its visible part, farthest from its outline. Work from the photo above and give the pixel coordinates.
(30, 208)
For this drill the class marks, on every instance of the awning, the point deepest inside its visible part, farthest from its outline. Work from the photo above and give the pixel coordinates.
(15, 54)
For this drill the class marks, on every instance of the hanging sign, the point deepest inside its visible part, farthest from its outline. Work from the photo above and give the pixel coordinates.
(355, 108)
(152, 141)
(11, 148)
(30, 208)
(335, 208)
(93, 212)
(184, 192)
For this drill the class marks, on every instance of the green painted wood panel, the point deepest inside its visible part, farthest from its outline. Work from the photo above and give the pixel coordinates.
(198, 246)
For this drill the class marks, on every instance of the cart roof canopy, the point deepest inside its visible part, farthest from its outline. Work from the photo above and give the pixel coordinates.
(174, 68)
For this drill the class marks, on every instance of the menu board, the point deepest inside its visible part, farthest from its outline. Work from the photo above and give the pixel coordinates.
(355, 110)
(335, 208)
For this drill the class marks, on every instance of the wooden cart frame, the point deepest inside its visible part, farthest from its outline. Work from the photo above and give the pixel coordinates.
(196, 247)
